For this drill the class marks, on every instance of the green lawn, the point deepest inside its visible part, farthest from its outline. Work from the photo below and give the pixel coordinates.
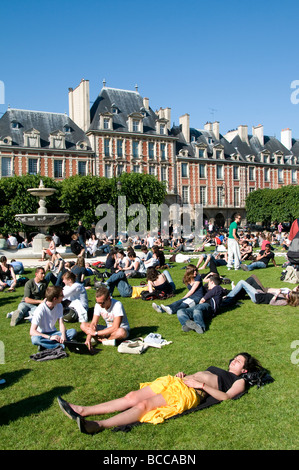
(263, 419)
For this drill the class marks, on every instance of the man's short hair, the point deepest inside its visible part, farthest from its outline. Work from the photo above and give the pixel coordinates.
(39, 268)
(103, 290)
(216, 279)
(53, 292)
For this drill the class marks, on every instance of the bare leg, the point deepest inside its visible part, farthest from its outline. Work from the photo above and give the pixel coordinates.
(120, 404)
(126, 417)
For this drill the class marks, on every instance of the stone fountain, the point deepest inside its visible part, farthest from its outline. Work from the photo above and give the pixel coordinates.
(43, 219)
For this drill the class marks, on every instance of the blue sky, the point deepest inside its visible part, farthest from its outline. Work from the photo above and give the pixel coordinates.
(230, 61)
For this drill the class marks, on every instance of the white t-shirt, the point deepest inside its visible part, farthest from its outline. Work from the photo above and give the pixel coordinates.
(45, 318)
(116, 309)
(77, 295)
(76, 291)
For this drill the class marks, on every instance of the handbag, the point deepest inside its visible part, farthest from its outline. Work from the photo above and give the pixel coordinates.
(134, 346)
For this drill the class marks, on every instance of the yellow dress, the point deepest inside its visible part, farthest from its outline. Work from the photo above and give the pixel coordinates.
(177, 395)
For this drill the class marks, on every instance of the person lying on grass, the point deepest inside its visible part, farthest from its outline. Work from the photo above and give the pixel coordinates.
(261, 295)
(166, 396)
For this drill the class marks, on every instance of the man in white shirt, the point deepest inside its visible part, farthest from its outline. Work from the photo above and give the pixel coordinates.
(112, 311)
(11, 240)
(75, 296)
(43, 331)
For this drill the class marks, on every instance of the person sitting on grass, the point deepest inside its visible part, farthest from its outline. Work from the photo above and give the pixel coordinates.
(34, 294)
(7, 275)
(156, 281)
(193, 281)
(43, 331)
(112, 311)
(260, 295)
(262, 260)
(166, 396)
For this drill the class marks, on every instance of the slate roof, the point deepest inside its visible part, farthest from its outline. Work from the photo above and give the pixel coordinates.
(126, 102)
(201, 136)
(44, 122)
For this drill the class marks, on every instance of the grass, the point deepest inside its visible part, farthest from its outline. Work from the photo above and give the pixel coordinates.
(265, 418)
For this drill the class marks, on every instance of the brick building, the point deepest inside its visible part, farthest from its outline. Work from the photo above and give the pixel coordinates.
(121, 133)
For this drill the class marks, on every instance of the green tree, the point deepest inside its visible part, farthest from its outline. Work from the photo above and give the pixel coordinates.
(273, 205)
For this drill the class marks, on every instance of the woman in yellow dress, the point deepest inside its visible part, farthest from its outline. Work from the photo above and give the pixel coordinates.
(166, 396)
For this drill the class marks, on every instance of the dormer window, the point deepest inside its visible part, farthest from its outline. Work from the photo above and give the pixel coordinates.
(15, 125)
(135, 122)
(57, 140)
(67, 129)
(200, 151)
(161, 126)
(32, 138)
(106, 121)
(218, 153)
(114, 109)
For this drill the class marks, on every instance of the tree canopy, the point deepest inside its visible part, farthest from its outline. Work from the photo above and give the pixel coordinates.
(78, 196)
(273, 205)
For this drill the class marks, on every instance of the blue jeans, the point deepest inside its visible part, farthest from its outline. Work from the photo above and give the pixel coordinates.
(189, 302)
(200, 314)
(120, 281)
(251, 291)
(56, 280)
(50, 344)
(26, 310)
(256, 265)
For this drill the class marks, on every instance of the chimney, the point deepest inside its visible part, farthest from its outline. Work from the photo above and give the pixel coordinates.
(79, 105)
(215, 129)
(146, 103)
(258, 132)
(208, 126)
(167, 115)
(286, 138)
(185, 123)
(243, 133)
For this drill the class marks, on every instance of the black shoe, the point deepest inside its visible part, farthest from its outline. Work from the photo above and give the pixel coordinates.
(67, 409)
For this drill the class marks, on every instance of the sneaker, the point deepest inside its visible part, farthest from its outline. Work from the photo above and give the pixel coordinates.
(244, 267)
(233, 285)
(229, 268)
(15, 318)
(186, 328)
(108, 342)
(194, 326)
(166, 309)
(157, 308)
(9, 315)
